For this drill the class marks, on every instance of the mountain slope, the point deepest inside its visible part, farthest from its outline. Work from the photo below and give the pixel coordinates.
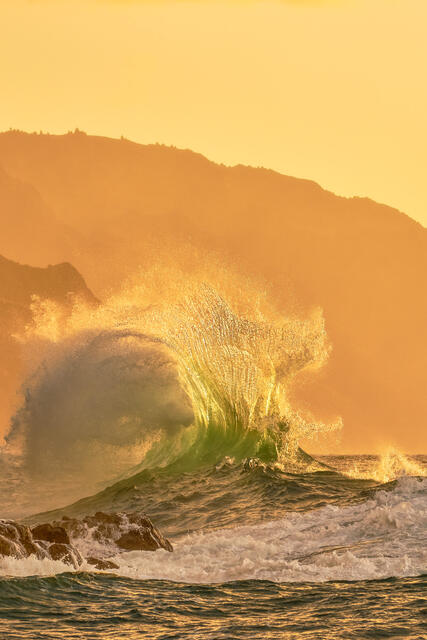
(30, 230)
(362, 262)
(18, 283)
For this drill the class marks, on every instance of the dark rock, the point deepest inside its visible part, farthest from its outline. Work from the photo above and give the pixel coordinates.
(9, 548)
(28, 543)
(66, 553)
(32, 548)
(137, 540)
(59, 551)
(127, 531)
(102, 565)
(50, 533)
(108, 518)
(60, 540)
(8, 530)
(17, 541)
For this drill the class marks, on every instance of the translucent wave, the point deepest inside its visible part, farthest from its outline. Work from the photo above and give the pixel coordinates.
(167, 373)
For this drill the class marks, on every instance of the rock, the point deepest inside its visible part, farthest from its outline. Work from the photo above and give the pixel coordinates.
(28, 543)
(102, 565)
(17, 541)
(8, 530)
(110, 532)
(135, 540)
(66, 553)
(124, 531)
(107, 518)
(32, 548)
(9, 548)
(50, 533)
(148, 532)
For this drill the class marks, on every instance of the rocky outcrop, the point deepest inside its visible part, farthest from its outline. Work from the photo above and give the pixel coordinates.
(19, 541)
(116, 531)
(71, 540)
(66, 553)
(50, 533)
(102, 565)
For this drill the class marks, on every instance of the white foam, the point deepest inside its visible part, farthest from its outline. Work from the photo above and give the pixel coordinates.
(31, 566)
(379, 538)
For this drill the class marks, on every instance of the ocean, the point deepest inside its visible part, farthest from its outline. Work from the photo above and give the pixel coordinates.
(182, 411)
(258, 553)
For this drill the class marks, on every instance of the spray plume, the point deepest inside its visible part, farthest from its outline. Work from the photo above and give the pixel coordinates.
(175, 370)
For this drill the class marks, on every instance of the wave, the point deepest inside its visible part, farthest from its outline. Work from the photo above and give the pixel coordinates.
(98, 401)
(142, 383)
(376, 538)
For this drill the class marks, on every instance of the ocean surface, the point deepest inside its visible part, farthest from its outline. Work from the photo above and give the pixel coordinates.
(258, 553)
(181, 410)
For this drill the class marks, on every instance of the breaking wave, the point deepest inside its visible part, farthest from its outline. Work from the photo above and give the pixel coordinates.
(177, 381)
(376, 538)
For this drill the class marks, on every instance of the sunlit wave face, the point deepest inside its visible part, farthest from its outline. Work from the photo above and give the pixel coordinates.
(172, 361)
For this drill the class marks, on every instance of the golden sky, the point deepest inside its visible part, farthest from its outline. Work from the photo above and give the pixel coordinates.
(334, 91)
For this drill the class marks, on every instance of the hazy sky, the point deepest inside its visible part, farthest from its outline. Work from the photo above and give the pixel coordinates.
(331, 90)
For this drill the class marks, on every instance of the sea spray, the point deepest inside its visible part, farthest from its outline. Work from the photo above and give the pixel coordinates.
(169, 374)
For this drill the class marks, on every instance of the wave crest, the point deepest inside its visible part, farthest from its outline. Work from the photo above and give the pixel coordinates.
(182, 381)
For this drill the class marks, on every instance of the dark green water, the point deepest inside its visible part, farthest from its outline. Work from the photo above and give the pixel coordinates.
(105, 606)
(258, 553)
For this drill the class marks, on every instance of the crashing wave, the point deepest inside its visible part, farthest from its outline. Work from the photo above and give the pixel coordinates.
(165, 383)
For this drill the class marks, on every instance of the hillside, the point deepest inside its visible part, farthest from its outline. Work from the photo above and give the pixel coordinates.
(30, 230)
(362, 262)
(18, 283)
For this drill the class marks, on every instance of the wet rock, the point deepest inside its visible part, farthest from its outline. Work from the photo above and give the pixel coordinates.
(50, 533)
(134, 540)
(33, 548)
(66, 553)
(124, 531)
(17, 541)
(9, 548)
(9, 530)
(102, 565)
(109, 533)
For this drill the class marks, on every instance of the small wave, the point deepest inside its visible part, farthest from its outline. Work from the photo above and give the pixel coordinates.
(31, 566)
(391, 464)
(376, 539)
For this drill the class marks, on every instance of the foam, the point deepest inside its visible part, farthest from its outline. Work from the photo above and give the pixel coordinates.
(377, 539)
(32, 566)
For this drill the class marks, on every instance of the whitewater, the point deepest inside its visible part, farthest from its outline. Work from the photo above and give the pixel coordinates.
(175, 400)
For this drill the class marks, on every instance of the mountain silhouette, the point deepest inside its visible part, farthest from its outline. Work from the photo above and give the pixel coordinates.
(18, 284)
(364, 263)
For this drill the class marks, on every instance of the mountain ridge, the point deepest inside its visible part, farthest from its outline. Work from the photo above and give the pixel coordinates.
(198, 156)
(18, 284)
(361, 261)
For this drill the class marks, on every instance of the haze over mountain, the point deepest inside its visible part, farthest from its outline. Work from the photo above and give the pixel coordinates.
(18, 284)
(101, 204)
